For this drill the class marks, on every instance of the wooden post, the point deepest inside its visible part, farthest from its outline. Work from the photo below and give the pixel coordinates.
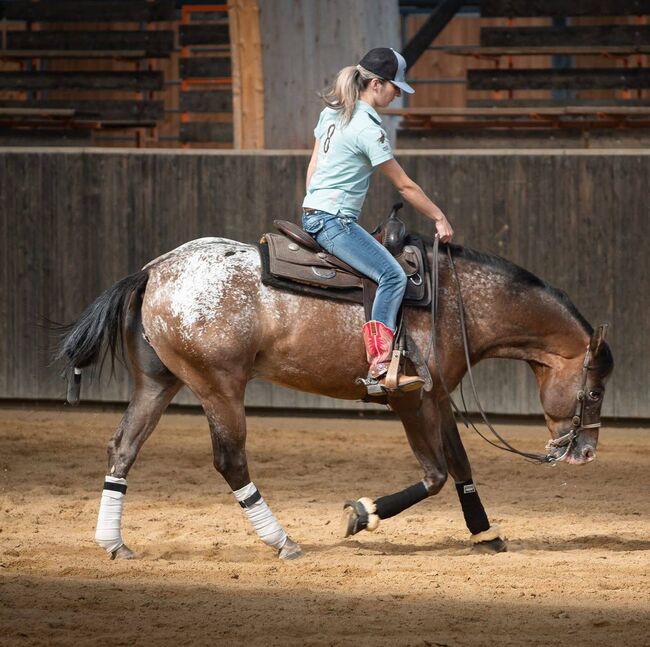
(247, 73)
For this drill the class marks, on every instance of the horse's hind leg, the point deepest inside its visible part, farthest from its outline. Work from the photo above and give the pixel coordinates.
(148, 403)
(224, 408)
(155, 387)
(485, 538)
(422, 425)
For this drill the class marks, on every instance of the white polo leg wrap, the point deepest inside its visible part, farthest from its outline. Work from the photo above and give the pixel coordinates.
(109, 521)
(260, 515)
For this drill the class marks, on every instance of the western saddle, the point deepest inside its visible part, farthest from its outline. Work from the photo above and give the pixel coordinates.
(292, 260)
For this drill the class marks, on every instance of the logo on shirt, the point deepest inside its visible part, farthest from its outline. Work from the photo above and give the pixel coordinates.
(382, 137)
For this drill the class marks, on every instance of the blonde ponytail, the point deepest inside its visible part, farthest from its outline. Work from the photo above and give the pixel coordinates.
(344, 93)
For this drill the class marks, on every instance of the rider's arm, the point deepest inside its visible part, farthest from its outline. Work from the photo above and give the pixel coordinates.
(312, 164)
(416, 197)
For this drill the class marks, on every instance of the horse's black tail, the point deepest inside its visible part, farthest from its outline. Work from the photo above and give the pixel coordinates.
(100, 327)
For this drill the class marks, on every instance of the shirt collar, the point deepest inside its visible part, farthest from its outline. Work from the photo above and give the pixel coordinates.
(372, 113)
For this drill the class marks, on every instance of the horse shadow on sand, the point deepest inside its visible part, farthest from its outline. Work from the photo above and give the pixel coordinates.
(458, 547)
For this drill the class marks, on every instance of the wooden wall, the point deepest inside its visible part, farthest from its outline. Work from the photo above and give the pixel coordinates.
(304, 45)
(72, 222)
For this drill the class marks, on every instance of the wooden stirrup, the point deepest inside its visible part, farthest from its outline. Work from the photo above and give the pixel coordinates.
(392, 376)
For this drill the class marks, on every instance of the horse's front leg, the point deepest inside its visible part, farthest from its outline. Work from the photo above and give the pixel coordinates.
(422, 426)
(485, 538)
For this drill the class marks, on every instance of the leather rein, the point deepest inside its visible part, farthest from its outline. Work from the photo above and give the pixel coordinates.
(577, 422)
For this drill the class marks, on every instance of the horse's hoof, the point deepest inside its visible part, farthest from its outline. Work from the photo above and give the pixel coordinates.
(357, 516)
(350, 524)
(123, 552)
(490, 547)
(290, 550)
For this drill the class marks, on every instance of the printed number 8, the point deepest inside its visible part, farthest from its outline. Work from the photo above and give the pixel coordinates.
(330, 132)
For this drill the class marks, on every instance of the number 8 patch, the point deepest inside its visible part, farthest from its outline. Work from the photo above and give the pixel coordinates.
(330, 132)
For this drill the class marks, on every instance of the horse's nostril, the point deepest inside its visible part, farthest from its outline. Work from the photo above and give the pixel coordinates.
(588, 453)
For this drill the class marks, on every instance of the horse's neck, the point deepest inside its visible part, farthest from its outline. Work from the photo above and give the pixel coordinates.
(530, 324)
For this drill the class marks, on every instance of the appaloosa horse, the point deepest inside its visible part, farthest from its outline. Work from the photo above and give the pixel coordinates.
(200, 316)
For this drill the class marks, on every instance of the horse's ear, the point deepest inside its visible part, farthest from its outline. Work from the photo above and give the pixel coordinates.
(598, 339)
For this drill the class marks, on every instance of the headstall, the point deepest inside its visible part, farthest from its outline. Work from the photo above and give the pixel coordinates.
(577, 422)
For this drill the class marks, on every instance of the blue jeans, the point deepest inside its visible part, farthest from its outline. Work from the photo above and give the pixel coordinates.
(342, 237)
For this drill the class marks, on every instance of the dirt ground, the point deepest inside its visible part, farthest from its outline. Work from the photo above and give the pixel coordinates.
(577, 571)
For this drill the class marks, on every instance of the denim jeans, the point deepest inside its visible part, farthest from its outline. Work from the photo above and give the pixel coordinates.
(342, 237)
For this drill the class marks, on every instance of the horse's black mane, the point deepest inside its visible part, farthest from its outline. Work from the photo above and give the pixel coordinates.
(517, 274)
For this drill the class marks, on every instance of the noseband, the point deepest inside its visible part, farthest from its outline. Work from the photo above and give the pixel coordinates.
(578, 420)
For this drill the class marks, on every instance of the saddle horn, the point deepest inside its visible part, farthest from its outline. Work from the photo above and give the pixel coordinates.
(394, 231)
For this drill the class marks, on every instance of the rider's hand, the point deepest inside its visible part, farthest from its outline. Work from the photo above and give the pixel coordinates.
(444, 230)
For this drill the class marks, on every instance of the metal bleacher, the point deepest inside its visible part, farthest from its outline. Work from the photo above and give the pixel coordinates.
(206, 76)
(126, 72)
(566, 113)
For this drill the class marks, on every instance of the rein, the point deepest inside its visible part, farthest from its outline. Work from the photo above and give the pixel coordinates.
(566, 440)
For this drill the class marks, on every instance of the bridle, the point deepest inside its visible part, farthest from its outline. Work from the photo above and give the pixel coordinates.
(577, 422)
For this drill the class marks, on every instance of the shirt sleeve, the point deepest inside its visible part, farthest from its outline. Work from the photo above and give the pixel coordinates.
(318, 131)
(373, 142)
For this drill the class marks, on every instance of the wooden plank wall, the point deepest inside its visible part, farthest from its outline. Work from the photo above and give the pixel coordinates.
(72, 222)
(304, 45)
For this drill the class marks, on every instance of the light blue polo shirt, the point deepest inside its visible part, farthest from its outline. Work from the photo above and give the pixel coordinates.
(347, 156)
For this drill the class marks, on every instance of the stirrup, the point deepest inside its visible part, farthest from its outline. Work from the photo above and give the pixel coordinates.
(377, 386)
(409, 383)
(393, 381)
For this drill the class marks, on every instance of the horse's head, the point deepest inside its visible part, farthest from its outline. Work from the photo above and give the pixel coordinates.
(572, 396)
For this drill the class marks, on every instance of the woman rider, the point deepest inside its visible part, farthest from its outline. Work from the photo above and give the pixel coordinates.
(350, 144)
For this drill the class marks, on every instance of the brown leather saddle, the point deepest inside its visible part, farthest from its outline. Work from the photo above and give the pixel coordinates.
(292, 260)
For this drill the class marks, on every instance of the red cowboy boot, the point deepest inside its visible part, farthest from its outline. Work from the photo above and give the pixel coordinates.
(378, 340)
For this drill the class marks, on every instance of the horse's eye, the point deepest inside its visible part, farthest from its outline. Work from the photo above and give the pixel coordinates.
(595, 395)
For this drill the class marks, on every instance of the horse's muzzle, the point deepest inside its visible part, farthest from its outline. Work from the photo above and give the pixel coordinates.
(583, 448)
(581, 456)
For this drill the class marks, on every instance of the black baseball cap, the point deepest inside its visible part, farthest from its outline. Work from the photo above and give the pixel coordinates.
(389, 65)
